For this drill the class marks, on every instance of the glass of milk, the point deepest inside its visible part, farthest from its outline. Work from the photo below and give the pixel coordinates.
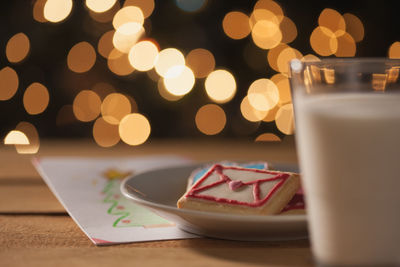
(347, 117)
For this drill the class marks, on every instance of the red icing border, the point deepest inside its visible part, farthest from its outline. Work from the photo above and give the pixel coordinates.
(197, 188)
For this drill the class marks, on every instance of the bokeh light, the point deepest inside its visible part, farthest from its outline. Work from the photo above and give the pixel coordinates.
(32, 134)
(180, 84)
(273, 55)
(285, 119)
(128, 15)
(36, 98)
(346, 46)
(270, 116)
(332, 20)
(285, 57)
(354, 26)
(103, 89)
(100, 6)
(282, 83)
(17, 47)
(168, 58)
(57, 10)
(164, 92)
(394, 50)
(114, 107)
(81, 57)
(15, 137)
(134, 129)
(86, 105)
(119, 64)
(220, 86)
(288, 29)
(105, 134)
(323, 41)
(250, 113)
(310, 58)
(127, 35)
(263, 94)
(105, 44)
(191, 5)
(201, 62)
(8, 83)
(106, 16)
(38, 11)
(147, 6)
(236, 25)
(210, 119)
(271, 6)
(143, 55)
(267, 137)
(266, 34)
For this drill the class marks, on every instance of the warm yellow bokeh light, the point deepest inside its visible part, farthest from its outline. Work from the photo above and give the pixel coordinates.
(32, 134)
(323, 41)
(118, 63)
(201, 61)
(236, 25)
(346, 46)
(147, 6)
(127, 35)
(36, 98)
(17, 47)
(81, 57)
(114, 107)
(354, 26)
(270, 116)
(128, 14)
(134, 129)
(273, 55)
(331, 19)
(288, 29)
(57, 10)
(168, 58)
(284, 89)
(164, 92)
(179, 84)
(250, 113)
(220, 86)
(86, 106)
(210, 119)
(268, 137)
(100, 6)
(105, 45)
(262, 14)
(266, 34)
(285, 57)
(38, 11)
(263, 94)
(105, 134)
(106, 16)
(285, 119)
(394, 50)
(143, 55)
(270, 6)
(310, 58)
(8, 83)
(15, 137)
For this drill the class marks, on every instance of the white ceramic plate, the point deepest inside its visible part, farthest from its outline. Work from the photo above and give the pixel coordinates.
(160, 189)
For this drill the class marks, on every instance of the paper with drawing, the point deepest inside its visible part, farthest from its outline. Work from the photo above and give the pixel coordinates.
(88, 188)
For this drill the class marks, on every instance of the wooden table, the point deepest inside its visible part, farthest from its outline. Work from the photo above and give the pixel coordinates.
(35, 230)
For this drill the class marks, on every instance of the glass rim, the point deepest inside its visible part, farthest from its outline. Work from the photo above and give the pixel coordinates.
(353, 60)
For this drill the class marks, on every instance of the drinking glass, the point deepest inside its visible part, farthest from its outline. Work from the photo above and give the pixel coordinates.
(347, 117)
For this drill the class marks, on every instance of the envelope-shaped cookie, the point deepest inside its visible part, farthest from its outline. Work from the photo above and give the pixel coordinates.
(232, 189)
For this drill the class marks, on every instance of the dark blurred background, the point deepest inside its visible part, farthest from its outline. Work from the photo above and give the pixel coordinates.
(97, 67)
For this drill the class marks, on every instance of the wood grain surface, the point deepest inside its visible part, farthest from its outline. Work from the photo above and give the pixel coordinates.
(35, 230)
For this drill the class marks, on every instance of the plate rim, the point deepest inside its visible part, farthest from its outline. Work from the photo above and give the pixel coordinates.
(290, 218)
